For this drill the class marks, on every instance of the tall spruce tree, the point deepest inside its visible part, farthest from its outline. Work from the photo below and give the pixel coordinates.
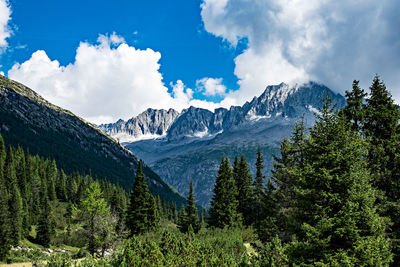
(190, 213)
(244, 185)
(14, 198)
(381, 127)
(45, 224)
(354, 111)
(4, 215)
(223, 210)
(258, 191)
(193, 217)
(383, 132)
(280, 200)
(182, 220)
(51, 176)
(137, 216)
(153, 214)
(61, 190)
(334, 219)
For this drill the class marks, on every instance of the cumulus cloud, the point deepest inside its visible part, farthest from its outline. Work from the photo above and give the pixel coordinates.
(108, 80)
(211, 86)
(5, 17)
(292, 41)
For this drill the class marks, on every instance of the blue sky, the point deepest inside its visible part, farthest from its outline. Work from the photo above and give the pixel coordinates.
(174, 28)
(106, 60)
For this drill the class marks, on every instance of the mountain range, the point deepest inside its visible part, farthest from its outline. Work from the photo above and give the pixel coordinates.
(189, 145)
(29, 121)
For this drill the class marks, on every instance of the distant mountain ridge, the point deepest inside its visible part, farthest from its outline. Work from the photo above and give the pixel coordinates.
(277, 100)
(192, 143)
(149, 124)
(28, 120)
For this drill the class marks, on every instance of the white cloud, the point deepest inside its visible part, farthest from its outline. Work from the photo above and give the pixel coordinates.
(211, 86)
(329, 41)
(107, 81)
(5, 17)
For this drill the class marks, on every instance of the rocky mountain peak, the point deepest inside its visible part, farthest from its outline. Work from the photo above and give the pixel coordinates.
(277, 101)
(152, 123)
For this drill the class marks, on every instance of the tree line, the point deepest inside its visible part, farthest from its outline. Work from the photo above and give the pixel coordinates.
(37, 196)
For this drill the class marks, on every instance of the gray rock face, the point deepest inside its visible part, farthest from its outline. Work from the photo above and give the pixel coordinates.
(197, 139)
(151, 123)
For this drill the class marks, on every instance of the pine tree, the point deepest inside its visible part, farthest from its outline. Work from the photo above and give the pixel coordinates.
(44, 228)
(14, 199)
(118, 206)
(182, 220)
(280, 197)
(202, 218)
(191, 216)
(4, 216)
(383, 132)
(21, 172)
(61, 191)
(35, 200)
(381, 127)
(72, 188)
(174, 213)
(191, 210)
(137, 217)
(223, 210)
(354, 111)
(334, 218)
(244, 181)
(153, 215)
(51, 176)
(259, 190)
(4, 221)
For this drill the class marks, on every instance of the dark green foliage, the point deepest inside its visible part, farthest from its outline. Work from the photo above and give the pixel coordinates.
(332, 218)
(280, 198)
(381, 128)
(72, 188)
(182, 220)
(382, 131)
(153, 217)
(44, 228)
(61, 190)
(118, 206)
(4, 215)
(193, 218)
(354, 111)
(258, 191)
(244, 180)
(14, 198)
(223, 210)
(189, 217)
(24, 202)
(51, 176)
(141, 215)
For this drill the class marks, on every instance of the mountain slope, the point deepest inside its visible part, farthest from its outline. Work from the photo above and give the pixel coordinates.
(28, 120)
(197, 140)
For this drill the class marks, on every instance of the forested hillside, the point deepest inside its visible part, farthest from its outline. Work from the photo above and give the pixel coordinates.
(28, 120)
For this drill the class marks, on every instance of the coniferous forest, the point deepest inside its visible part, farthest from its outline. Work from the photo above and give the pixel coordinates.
(331, 199)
